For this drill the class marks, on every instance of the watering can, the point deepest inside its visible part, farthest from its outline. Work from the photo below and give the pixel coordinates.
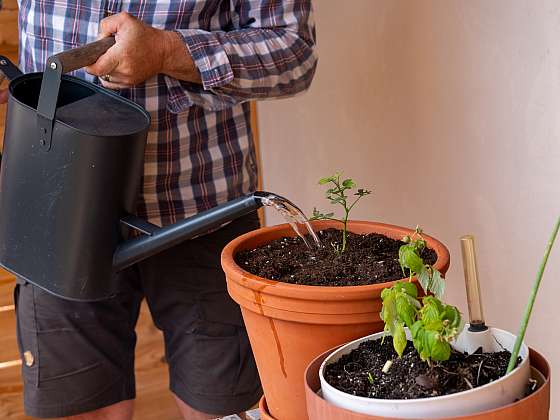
(69, 178)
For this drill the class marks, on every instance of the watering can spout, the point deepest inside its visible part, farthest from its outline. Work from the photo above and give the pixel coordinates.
(156, 239)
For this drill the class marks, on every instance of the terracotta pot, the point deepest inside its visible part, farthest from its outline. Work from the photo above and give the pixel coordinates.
(534, 407)
(289, 325)
(263, 409)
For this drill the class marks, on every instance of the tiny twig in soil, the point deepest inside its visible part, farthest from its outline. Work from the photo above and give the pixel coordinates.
(351, 364)
(446, 371)
(478, 374)
(468, 382)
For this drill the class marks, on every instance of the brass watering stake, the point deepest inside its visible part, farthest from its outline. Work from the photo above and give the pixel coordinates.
(474, 299)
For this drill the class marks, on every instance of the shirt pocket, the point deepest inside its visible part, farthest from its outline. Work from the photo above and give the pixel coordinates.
(183, 14)
(62, 24)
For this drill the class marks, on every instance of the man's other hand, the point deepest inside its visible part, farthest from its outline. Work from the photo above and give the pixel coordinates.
(140, 52)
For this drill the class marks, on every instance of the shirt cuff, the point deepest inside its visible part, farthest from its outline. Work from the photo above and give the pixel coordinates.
(209, 57)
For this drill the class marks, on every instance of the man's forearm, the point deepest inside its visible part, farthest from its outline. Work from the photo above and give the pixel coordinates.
(178, 62)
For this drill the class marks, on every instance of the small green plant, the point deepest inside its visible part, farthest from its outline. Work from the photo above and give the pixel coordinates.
(336, 194)
(433, 324)
(532, 298)
(410, 259)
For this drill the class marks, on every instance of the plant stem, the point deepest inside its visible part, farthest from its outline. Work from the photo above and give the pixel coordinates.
(532, 297)
(345, 232)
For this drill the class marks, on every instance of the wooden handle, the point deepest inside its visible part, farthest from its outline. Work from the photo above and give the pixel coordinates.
(82, 56)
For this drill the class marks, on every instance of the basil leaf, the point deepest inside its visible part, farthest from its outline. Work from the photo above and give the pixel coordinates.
(399, 340)
(405, 311)
(424, 279)
(437, 284)
(441, 350)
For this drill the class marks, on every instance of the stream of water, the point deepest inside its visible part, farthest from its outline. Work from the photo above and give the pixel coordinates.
(293, 215)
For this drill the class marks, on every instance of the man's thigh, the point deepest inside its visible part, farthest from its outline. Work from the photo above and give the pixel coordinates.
(212, 368)
(77, 357)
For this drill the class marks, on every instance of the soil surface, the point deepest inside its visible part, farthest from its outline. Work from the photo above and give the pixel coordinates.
(368, 259)
(409, 377)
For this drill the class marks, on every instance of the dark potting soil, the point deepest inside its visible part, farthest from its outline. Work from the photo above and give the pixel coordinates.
(368, 259)
(409, 377)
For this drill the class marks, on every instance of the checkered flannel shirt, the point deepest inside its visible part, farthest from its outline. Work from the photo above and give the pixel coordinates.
(200, 150)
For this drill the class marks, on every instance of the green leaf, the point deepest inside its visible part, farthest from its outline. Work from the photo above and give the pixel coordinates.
(408, 258)
(418, 337)
(326, 180)
(405, 311)
(408, 287)
(424, 279)
(415, 329)
(389, 312)
(386, 292)
(348, 183)
(431, 310)
(453, 315)
(437, 284)
(441, 350)
(435, 325)
(428, 342)
(399, 339)
(370, 378)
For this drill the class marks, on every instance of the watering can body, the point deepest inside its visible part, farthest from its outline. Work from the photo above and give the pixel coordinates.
(69, 179)
(60, 203)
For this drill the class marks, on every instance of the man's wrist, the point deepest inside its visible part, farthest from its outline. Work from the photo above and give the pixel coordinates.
(177, 61)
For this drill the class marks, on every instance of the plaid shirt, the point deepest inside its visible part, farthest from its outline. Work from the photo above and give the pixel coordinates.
(199, 151)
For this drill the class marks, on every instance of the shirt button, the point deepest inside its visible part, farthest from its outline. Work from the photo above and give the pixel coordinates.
(29, 359)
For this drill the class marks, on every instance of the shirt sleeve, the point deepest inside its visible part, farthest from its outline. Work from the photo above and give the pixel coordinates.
(269, 53)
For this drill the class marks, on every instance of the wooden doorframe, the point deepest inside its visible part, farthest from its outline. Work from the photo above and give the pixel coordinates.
(256, 137)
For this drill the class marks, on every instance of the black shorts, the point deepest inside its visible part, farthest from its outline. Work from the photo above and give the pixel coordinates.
(78, 357)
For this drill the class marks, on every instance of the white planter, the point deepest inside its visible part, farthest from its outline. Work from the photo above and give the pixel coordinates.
(493, 395)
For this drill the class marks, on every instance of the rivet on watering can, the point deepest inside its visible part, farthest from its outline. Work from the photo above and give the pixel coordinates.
(29, 359)
(53, 66)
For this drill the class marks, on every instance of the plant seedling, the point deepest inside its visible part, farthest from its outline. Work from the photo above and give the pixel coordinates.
(433, 324)
(336, 194)
(410, 259)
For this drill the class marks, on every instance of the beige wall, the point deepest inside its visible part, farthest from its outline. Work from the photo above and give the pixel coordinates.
(450, 110)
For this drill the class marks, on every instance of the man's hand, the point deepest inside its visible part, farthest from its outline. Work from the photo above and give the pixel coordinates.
(140, 52)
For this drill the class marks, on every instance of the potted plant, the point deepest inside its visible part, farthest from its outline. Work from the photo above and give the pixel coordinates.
(291, 320)
(426, 372)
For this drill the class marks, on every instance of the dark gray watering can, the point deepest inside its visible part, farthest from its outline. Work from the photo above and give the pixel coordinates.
(72, 162)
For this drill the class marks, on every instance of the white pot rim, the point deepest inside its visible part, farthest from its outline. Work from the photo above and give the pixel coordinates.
(524, 353)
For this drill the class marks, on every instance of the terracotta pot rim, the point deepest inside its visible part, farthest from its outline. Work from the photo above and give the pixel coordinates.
(263, 409)
(278, 288)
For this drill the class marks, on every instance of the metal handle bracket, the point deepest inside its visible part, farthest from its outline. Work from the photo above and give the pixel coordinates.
(57, 65)
(48, 98)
